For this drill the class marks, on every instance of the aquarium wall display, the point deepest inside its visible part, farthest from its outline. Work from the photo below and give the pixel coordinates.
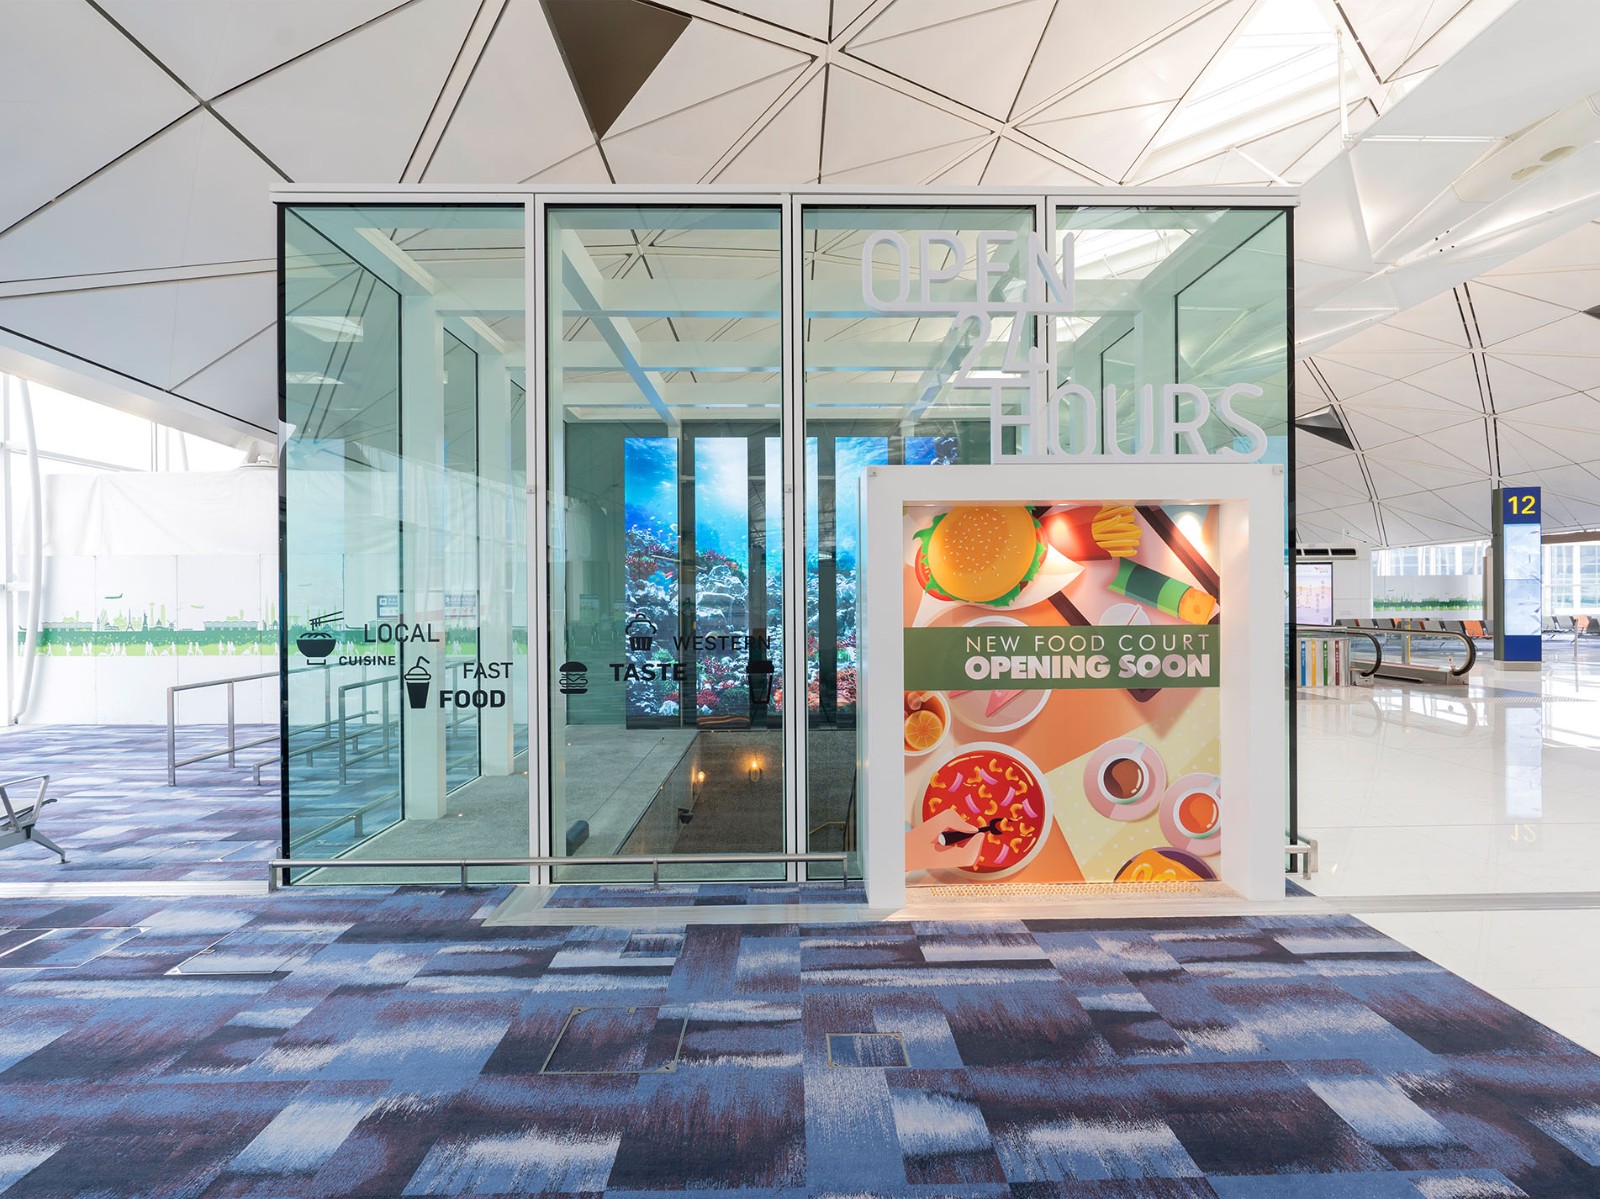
(658, 526)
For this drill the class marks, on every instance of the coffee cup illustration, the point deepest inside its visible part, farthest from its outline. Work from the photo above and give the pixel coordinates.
(417, 680)
(641, 634)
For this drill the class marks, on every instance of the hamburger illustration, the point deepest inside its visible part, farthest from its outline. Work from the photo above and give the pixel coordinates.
(980, 555)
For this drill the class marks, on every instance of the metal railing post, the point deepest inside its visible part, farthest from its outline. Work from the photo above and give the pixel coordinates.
(344, 753)
(172, 737)
(232, 738)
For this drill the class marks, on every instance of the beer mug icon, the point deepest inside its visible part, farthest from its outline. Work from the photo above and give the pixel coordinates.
(641, 634)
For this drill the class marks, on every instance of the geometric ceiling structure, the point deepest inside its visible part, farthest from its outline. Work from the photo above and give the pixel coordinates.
(137, 250)
(1495, 380)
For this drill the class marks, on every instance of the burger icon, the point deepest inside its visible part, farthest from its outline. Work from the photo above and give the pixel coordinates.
(984, 554)
(573, 679)
(317, 643)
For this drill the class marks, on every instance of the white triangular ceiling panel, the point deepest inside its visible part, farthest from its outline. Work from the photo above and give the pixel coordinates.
(920, 167)
(218, 316)
(1514, 387)
(1438, 318)
(586, 166)
(1369, 432)
(969, 171)
(1406, 396)
(1285, 150)
(682, 146)
(1106, 141)
(1574, 444)
(1341, 476)
(809, 17)
(330, 118)
(1352, 522)
(1390, 338)
(520, 70)
(1575, 335)
(1576, 413)
(1455, 380)
(911, 16)
(1310, 450)
(1578, 249)
(215, 46)
(1574, 289)
(1018, 166)
(973, 54)
(1392, 366)
(1077, 43)
(1390, 33)
(1520, 453)
(1208, 172)
(242, 382)
(1504, 314)
(198, 195)
(127, 329)
(866, 120)
(1348, 381)
(1577, 372)
(707, 61)
(77, 94)
(1389, 481)
(785, 151)
(845, 12)
(1467, 443)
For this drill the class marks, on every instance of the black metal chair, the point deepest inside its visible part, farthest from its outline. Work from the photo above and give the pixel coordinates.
(20, 816)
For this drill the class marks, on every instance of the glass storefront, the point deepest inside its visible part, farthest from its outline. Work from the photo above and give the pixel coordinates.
(404, 537)
(705, 382)
(666, 442)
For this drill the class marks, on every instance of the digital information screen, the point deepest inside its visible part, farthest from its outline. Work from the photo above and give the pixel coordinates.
(1313, 593)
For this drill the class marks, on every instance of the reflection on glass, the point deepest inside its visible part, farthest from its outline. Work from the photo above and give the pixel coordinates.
(667, 530)
(877, 391)
(405, 537)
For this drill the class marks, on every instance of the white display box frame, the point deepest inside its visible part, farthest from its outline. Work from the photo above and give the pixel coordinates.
(1254, 721)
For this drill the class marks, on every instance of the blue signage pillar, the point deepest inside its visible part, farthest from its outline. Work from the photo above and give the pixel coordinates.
(1518, 577)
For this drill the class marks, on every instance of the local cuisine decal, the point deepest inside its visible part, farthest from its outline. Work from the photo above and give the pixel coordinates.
(1060, 694)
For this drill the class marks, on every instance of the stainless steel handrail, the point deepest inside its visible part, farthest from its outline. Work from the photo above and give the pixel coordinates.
(464, 864)
(1323, 630)
(233, 746)
(1454, 671)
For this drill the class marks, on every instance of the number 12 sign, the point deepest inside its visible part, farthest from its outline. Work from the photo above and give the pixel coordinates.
(1518, 582)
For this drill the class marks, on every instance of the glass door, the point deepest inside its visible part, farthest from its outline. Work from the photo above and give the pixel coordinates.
(666, 514)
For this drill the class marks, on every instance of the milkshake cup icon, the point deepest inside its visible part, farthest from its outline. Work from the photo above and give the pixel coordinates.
(417, 680)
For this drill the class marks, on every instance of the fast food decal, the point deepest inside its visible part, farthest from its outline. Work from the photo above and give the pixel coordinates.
(1060, 702)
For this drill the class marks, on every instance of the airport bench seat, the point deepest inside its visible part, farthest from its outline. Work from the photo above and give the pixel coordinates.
(19, 813)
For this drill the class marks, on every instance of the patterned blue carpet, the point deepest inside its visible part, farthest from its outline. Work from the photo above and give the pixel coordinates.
(388, 1043)
(119, 821)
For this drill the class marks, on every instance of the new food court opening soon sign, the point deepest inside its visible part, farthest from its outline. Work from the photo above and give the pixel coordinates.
(1060, 691)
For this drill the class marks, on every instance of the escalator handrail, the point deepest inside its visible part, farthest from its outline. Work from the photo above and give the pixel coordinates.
(1341, 630)
(1455, 672)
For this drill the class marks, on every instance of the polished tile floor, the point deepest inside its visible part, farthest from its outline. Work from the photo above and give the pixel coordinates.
(1483, 797)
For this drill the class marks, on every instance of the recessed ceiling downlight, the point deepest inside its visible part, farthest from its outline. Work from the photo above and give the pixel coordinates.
(1528, 171)
(1557, 154)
